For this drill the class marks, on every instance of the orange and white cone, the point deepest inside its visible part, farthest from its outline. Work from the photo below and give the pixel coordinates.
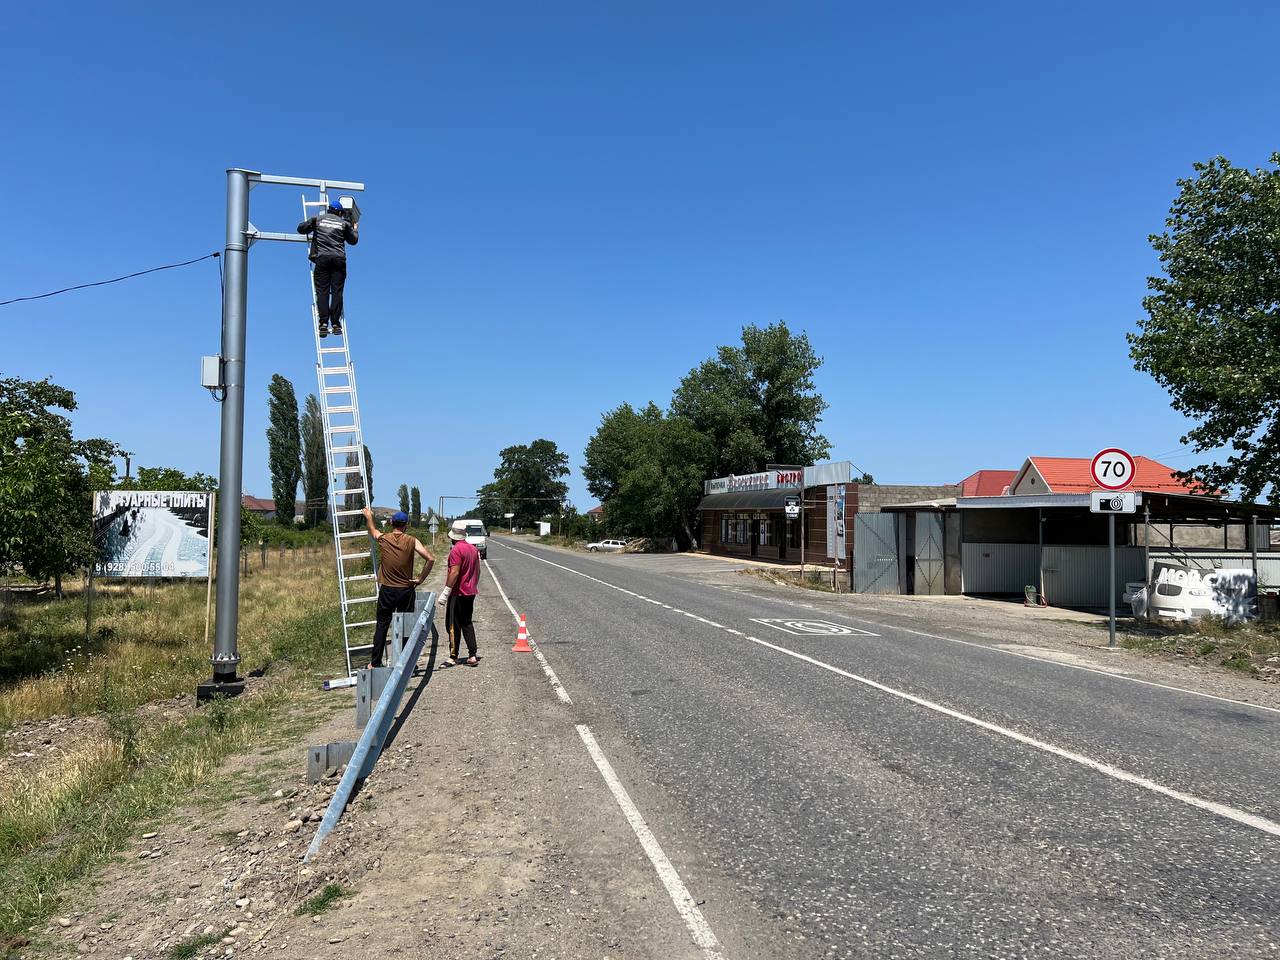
(522, 638)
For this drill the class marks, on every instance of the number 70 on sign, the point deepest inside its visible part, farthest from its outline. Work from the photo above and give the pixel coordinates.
(1112, 469)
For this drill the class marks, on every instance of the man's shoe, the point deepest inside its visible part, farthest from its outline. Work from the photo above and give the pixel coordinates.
(337, 328)
(324, 330)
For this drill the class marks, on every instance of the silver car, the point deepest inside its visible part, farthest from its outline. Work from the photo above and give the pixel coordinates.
(607, 546)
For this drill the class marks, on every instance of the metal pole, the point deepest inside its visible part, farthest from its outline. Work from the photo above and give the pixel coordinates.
(226, 657)
(1253, 552)
(1111, 542)
(803, 494)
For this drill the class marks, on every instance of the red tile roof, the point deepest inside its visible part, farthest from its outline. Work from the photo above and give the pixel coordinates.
(597, 511)
(1071, 475)
(987, 483)
(257, 504)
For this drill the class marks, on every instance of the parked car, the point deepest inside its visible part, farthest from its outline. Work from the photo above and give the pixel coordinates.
(475, 533)
(607, 546)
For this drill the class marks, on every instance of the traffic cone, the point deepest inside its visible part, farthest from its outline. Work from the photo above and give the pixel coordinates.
(522, 638)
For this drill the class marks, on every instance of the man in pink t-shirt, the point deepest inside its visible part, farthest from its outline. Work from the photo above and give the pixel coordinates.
(459, 597)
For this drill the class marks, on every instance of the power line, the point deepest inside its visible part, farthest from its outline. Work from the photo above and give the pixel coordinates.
(101, 283)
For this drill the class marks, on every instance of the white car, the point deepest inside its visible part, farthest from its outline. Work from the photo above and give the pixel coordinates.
(607, 546)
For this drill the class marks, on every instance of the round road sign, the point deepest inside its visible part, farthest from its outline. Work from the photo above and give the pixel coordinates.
(1113, 469)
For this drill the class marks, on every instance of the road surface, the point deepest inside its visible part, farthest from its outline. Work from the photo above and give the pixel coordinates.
(856, 789)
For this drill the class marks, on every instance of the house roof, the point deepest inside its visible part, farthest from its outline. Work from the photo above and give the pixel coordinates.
(1072, 475)
(596, 510)
(987, 483)
(257, 504)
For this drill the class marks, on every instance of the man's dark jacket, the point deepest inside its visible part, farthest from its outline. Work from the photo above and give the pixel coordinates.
(329, 234)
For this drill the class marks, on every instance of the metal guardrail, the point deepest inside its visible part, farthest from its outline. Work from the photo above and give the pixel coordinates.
(369, 746)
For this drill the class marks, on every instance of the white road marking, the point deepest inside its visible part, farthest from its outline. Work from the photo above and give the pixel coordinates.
(812, 628)
(996, 649)
(1242, 817)
(685, 905)
(556, 685)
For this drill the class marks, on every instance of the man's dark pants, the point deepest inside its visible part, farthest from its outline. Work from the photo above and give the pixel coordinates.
(330, 275)
(390, 600)
(458, 625)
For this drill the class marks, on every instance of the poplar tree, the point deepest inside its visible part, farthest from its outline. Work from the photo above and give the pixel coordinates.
(284, 447)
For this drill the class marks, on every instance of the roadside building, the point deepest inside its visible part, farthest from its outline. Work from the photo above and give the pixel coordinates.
(1040, 534)
(792, 514)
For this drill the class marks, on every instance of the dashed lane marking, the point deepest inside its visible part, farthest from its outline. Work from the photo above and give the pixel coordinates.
(1223, 810)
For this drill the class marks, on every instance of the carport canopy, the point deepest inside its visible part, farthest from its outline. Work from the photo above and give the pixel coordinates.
(1163, 507)
(749, 500)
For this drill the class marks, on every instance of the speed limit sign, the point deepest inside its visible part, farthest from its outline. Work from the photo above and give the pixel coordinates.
(1112, 469)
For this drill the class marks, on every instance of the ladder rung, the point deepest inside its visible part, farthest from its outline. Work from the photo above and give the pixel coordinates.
(362, 576)
(352, 469)
(333, 349)
(348, 513)
(356, 556)
(347, 389)
(362, 623)
(349, 493)
(346, 409)
(343, 428)
(344, 449)
(351, 600)
(354, 533)
(360, 646)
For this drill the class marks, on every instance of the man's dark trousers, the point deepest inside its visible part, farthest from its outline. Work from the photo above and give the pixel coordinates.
(330, 276)
(390, 600)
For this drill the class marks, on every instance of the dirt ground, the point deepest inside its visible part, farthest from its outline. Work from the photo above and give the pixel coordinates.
(484, 832)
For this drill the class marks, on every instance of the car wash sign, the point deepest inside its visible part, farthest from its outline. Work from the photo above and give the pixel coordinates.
(763, 480)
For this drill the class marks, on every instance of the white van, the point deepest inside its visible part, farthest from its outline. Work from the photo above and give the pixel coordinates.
(476, 534)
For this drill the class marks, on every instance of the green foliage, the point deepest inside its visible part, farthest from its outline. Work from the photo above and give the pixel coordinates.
(747, 406)
(195, 944)
(315, 469)
(527, 482)
(403, 495)
(284, 447)
(757, 402)
(47, 479)
(322, 901)
(415, 506)
(167, 478)
(1212, 332)
(368, 471)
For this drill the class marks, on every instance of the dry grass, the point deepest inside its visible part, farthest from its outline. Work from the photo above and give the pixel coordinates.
(1251, 647)
(148, 644)
(64, 817)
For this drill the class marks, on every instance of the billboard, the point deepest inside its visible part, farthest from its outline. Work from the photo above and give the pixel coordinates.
(152, 533)
(1180, 592)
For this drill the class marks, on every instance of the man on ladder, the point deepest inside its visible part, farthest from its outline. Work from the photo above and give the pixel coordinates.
(330, 233)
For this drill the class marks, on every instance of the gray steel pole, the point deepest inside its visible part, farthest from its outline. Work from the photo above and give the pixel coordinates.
(1111, 542)
(226, 657)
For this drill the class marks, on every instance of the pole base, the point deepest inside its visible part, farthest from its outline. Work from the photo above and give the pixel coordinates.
(219, 688)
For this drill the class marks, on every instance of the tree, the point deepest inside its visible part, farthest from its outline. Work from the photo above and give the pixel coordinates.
(284, 447)
(368, 471)
(403, 494)
(1212, 332)
(315, 466)
(415, 506)
(648, 469)
(47, 479)
(866, 479)
(757, 402)
(167, 478)
(527, 482)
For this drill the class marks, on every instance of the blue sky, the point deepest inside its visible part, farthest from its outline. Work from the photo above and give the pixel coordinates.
(576, 203)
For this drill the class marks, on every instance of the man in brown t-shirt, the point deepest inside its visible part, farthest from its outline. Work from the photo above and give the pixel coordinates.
(396, 582)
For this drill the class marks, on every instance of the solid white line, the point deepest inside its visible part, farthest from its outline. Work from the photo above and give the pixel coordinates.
(685, 905)
(1212, 806)
(994, 649)
(556, 685)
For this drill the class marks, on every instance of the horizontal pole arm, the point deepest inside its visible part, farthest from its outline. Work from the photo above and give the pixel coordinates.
(305, 181)
(290, 237)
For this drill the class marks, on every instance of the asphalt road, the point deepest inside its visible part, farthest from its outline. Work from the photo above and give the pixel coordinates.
(884, 794)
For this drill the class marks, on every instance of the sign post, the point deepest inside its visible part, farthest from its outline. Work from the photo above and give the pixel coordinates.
(1112, 470)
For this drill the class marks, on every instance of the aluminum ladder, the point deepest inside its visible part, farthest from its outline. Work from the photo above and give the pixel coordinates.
(348, 480)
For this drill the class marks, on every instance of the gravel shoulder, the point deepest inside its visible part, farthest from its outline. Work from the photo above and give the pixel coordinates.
(485, 831)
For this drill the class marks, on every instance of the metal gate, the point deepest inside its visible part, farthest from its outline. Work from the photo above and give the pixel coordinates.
(875, 553)
(929, 565)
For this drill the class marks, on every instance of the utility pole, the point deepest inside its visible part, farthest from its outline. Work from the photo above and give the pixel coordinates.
(241, 235)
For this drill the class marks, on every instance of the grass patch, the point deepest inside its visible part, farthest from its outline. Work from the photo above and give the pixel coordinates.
(75, 812)
(192, 946)
(1252, 647)
(819, 580)
(326, 899)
